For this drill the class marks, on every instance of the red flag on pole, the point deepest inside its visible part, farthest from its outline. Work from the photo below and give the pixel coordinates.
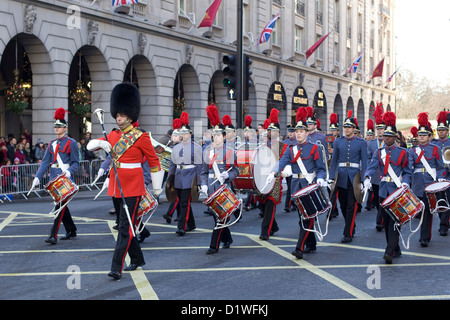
(315, 46)
(378, 72)
(210, 14)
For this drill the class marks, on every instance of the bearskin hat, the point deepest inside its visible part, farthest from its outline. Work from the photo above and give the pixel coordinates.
(126, 99)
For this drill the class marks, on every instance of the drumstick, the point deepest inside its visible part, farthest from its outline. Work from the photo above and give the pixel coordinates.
(219, 178)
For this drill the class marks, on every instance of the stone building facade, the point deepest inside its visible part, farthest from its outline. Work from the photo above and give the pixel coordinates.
(156, 44)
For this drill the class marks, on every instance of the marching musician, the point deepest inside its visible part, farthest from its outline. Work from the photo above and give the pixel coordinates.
(289, 141)
(250, 143)
(442, 142)
(370, 135)
(269, 201)
(307, 154)
(334, 129)
(393, 158)
(427, 166)
(349, 158)
(313, 135)
(186, 166)
(62, 156)
(128, 146)
(231, 139)
(219, 167)
(372, 147)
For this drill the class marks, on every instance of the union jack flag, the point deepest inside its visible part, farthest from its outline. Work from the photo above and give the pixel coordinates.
(392, 76)
(267, 31)
(116, 3)
(355, 64)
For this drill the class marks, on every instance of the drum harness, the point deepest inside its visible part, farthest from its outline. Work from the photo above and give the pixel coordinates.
(397, 182)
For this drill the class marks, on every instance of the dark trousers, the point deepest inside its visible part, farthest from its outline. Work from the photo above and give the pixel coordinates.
(376, 201)
(66, 218)
(186, 219)
(174, 206)
(269, 223)
(348, 208)
(427, 221)
(334, 200)
(444, 218)
(287, 201)
(126, 243)
(392, 235)
(220, 235)
(305, 237)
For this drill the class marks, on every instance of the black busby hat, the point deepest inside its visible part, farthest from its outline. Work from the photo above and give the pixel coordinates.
(126, 99)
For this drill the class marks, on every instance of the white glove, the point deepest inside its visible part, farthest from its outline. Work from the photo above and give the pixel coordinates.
(96, 144)
(67, 173)
(270, 178)
(404, 184)
(157, 192)
(204, 189)
(367, 184)
(287, 172)
(442, 179)
(101, 172)
(36, 182)
(224, 175)
(321, 182)
(157, 181)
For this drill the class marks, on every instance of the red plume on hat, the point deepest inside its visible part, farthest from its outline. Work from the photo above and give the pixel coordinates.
(184, 118)
(422, 119)
(266, 124)
(389, 118)
(333, 118)
(274, 115)
(318, 124)
(226, 120)
(414, 131)
(356, 122)
(60, 114)
(309, 112)
(350, 113)
(176, 124)
(442, 117)
(301, 114)
(370, 125)
(378, 113)
(248, 121)
(213, 114)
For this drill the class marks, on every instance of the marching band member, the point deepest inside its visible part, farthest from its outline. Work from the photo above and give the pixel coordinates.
(313, 135)
(289, 141)
(231, 139)
(370, 135)
(393, 158)
(62, 156)
(128, 146)
(349, 158)
(334, 129)
(219, 167)
(250, 143)
(441, 142)
(186, 166)
(269, 201)
(427, 165)
(414, 138)
(372, 147)
(306, 154)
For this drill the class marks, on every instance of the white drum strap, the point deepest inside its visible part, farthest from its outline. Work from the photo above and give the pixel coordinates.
(390, 170)
(309, 176)
(425, 163)
(63, 166)
(215, 167)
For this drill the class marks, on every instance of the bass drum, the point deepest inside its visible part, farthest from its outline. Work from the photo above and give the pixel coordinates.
(254, 168)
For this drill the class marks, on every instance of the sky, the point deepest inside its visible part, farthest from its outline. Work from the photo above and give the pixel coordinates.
(422, 30)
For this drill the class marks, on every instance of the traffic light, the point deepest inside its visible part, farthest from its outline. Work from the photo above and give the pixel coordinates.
(230, 71)
(247, 79)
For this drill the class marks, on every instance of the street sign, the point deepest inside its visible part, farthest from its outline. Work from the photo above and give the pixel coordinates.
(231, 95)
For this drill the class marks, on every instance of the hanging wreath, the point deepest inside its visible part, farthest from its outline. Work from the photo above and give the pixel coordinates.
(81, 101)
(16, 98)
(179, 105)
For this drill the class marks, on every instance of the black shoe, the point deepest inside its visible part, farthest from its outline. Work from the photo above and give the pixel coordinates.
(247, 208)
(212, 251)
(308, 249)
(116, 227)
(70, 234)
(114, 274)
(275, 229)
(424, 243)
(167, 217)
(287, 209)
(141, 238)
(180, 232)
(264, 237)
(133, 266)
(379, 228)
(443, 233)
(346, 239)
(51, 240)
(387, 258)
(227, 244)
(297, 253)
(190, 228)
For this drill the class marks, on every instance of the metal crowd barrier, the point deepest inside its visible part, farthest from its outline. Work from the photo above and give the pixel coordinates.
(17, 179)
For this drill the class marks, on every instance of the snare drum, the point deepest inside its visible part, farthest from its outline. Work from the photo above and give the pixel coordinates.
(254, 168)
(61, 188)
(223, 202)
(147, 205)
(437, 195)
(402, 205)
(311, 201)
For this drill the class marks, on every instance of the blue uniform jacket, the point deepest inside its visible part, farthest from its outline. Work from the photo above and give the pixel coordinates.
(225, 158)
(319, 136)
(432, 154)
(67, 149)
(372, 147)
(441, 143)
(311, 158)
(398, 159)
(186, 154)
(346, 150)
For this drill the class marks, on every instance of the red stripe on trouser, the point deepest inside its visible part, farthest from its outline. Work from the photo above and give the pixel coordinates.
(218, 238)
(174, 207)
(271, 220)
(335, 200)
(187, 213)
(352, 226)
(61, 215)
(311, 225)
(130, 232)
